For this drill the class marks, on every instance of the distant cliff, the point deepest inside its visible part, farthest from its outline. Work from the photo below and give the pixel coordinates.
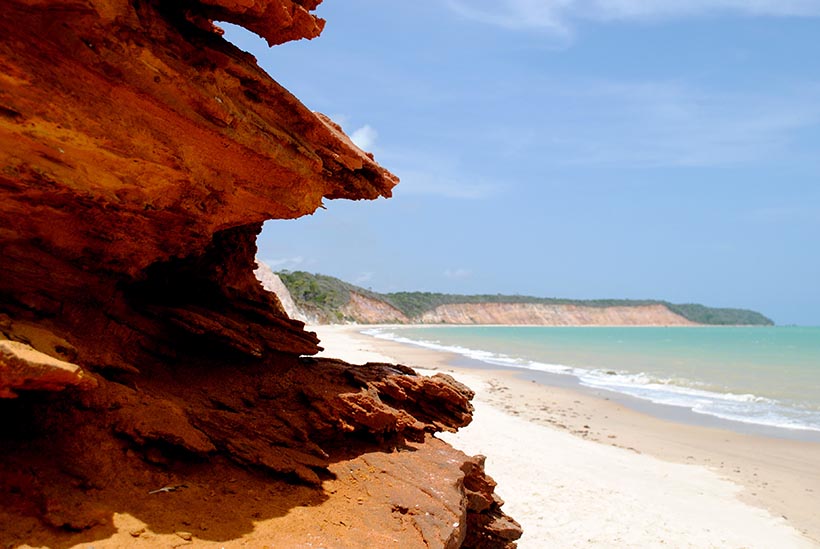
(327, 300)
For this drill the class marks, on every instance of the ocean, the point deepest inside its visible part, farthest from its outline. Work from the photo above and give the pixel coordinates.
(766, 376)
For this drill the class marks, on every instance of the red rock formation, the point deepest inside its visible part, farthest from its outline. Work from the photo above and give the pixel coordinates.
(131, 137)
(139, 155)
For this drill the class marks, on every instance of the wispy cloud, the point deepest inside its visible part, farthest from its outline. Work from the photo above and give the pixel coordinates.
(431, 173)
(443, 184)
(457, 274)
(341, 119)
(657, 123)
(559, 16)
(365, 137)
(682, 125)
(283, 263)
(515, 14)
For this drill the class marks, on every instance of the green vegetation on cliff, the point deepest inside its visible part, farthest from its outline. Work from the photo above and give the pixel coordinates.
(415, 304)
(721, 317)
(316, 291)
(320, 295)
(325, 296)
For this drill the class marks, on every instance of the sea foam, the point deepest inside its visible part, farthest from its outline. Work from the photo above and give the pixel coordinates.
(743, 407)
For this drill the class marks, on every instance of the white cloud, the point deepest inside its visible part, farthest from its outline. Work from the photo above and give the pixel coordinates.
(364, 137)
(558, 16)
(457, 274)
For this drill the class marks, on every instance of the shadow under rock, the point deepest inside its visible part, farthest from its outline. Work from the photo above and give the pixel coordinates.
(209, 447)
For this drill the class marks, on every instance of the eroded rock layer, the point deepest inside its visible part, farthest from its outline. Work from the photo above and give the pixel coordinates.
(131, 133)
(541, 314)
(74, 458)
(367, 310)
(140, 358)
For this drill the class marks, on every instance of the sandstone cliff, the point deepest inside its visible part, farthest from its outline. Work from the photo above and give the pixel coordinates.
(553, 315)
(326, 299)
(149, 386)
(367, 310)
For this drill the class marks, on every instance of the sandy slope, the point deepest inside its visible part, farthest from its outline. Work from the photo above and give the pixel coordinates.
(568, 491)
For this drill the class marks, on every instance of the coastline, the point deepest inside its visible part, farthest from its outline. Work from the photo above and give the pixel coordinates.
(599, 471)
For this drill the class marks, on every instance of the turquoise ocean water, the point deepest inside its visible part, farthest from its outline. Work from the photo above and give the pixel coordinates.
(763, 375)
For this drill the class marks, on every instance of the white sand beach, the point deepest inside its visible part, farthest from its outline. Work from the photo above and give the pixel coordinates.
(579, 471)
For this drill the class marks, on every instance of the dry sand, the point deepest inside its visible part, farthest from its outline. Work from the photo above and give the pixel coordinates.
(579, 470)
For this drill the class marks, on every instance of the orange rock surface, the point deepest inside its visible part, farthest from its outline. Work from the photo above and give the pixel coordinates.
(139, 155)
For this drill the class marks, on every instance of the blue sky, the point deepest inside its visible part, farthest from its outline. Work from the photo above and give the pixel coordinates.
(570, 148)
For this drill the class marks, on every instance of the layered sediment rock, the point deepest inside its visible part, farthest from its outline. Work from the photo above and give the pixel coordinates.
(541, 314)
(367, 310)
(139, 155)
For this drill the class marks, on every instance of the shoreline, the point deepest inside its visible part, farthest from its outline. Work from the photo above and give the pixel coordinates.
(753, 472)
(682, 415)
(676, 413)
